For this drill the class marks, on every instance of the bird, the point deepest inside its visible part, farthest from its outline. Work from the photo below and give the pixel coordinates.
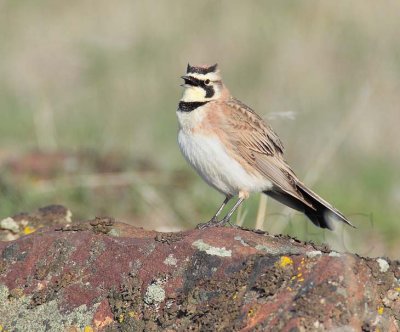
(237, 153)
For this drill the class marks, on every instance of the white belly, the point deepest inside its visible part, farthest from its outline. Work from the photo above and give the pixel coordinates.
(209, 158)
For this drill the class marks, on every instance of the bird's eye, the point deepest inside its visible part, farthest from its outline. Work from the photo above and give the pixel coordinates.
(207, 81)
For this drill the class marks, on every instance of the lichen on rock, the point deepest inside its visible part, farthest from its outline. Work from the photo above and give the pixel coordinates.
(109, 276)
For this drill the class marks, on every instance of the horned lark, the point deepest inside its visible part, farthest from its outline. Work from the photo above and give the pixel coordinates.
(236, 152)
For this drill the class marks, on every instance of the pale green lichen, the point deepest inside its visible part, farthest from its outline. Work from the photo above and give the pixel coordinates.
(170, 260)
(114, 232)
(154, 294)
(215, 251)
(314, 253)
(17, 315)
(9, 224)
(239, 238)
(383, 265)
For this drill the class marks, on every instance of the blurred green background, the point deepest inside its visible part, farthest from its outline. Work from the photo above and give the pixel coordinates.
(89, 89)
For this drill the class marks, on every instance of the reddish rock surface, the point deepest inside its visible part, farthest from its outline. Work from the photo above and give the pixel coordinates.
(109, 276)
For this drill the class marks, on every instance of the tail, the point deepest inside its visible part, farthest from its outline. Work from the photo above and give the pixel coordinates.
(320, 212)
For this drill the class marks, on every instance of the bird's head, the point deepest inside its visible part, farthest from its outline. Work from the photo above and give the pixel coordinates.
(202, 83)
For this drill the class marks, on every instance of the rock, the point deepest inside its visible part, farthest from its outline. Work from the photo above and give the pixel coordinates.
(9, 224)
(102, 275)
(11, 228)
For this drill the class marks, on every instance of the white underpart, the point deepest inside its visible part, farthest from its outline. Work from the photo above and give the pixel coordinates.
(209, 158)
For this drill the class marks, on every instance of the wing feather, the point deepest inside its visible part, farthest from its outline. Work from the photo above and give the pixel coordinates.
(259, 146)
(263, 135)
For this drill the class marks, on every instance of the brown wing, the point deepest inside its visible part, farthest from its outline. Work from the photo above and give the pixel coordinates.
(259, 146)
(267, 139)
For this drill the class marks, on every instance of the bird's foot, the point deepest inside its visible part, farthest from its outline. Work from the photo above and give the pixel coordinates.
(213, 223)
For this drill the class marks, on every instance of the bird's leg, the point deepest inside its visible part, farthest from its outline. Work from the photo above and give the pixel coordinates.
(226, 200)
(229, 215)
(214, 219)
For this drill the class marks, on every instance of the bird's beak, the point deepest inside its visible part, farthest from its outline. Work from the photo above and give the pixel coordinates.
(189, 81)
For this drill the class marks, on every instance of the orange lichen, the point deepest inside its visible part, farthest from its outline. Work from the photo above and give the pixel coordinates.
(251, 312)
(28, 230)
(285, 261)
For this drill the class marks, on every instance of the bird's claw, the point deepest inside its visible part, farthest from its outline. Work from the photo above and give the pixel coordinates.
(213, 222)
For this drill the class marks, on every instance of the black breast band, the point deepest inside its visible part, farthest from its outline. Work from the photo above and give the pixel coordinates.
(188, 106)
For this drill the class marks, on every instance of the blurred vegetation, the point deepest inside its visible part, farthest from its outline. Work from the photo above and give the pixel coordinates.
(100, 80)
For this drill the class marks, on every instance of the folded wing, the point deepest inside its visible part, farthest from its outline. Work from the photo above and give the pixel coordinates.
(258, 145)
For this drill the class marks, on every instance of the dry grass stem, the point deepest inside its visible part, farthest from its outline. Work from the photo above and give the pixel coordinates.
(261, 213)
(241, 215)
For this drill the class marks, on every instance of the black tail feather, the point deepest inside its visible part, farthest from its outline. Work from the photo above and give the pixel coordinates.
(320, 212)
